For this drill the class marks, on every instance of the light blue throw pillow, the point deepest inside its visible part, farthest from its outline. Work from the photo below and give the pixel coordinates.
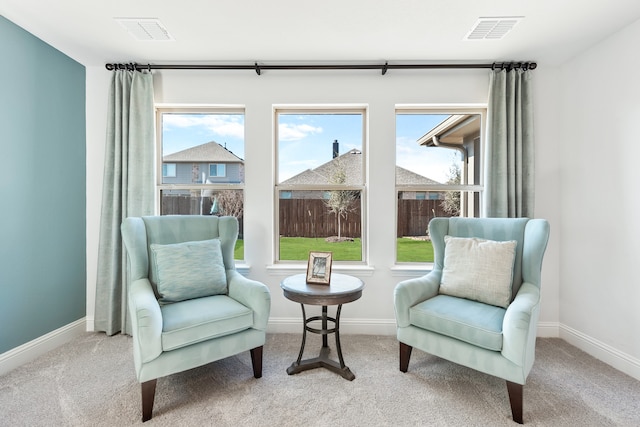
(188, 270)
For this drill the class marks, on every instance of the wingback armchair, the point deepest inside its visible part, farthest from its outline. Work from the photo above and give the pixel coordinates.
(188, 304)
(479, 305)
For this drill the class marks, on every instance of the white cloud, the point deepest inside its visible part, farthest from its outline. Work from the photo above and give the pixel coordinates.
(217, 124)
(434, 163)
(291, 132)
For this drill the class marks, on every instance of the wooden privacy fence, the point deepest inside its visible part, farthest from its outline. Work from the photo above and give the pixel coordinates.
(414, 216)
(311, 217)
(185, 204)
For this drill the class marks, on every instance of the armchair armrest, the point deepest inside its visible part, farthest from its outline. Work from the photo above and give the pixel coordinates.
(146, 320)
(412, 291)
(520, 325)
(252, 294)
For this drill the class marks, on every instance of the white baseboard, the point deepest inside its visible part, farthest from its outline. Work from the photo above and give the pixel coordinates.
(27, 352)
(609, 355)
(293, 325)
(548, 330)
(90, 324)
(604, 352)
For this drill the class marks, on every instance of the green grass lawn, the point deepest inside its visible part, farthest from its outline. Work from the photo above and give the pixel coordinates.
(410, 250)
(238, 252)
(297, 249)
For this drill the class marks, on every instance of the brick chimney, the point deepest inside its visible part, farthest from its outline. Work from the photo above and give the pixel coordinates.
(336, 148)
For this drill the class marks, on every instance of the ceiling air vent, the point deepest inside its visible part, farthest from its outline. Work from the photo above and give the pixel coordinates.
(145, 29)
(493, 28)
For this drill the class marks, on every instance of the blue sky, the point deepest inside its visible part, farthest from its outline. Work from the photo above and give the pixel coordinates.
(182, 131)
(306, 141)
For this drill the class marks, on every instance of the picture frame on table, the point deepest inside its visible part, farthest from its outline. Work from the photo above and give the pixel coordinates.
(319, 268)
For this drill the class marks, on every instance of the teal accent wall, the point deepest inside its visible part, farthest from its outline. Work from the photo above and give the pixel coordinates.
(42, 188)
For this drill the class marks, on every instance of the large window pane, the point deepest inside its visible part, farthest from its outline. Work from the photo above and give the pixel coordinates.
(201, 159)
(320, 183)
(203, 147)
(438, 170)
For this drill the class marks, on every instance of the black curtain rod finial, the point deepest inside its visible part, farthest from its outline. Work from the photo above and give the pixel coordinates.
(508, 66)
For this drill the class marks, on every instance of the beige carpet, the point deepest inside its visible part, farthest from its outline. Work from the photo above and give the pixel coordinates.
(91, 382)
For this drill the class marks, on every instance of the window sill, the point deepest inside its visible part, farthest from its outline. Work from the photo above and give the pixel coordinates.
(411, 270)
(243, 268)
(288, 269)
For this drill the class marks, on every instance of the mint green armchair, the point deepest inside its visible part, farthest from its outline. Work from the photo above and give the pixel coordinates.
(188, 304)
(455, 322)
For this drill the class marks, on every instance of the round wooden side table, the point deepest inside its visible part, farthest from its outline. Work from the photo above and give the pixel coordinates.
(342, 289)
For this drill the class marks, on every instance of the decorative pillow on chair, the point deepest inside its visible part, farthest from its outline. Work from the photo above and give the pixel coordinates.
(188, 270)
(478, 269)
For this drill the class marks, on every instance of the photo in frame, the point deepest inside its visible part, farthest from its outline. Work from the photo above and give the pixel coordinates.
(319, 268)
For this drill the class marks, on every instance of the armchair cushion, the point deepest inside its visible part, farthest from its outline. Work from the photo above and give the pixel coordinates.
(192, 321)
(463, 319)
(188, 270)
(478, 269)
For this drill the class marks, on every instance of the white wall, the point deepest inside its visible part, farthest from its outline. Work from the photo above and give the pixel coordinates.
(373, 313)
(600, 234)
(547, 169)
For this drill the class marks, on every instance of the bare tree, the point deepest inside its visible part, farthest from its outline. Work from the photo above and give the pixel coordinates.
(340, 202)
(451, 202)
(230, 202)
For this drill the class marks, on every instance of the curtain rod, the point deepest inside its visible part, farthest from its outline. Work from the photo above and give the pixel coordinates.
(258, 68)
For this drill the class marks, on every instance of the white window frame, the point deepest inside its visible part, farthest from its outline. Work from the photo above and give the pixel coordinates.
(480, 109)
(322, 109)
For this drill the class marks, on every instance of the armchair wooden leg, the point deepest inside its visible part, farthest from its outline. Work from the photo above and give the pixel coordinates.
(256, 361)
(148, 395)
(515, 399)
(405, 355)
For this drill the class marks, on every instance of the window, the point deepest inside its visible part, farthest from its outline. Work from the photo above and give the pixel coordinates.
(438, 173)
(201, 156)
(217, 170)
(320, 184)
(169, 170)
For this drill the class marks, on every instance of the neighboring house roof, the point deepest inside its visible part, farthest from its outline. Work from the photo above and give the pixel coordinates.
(351, 163)
(452, 131)
(210, 152)
(406, 177)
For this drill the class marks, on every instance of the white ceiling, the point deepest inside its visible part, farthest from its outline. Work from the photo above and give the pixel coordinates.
(332, 31)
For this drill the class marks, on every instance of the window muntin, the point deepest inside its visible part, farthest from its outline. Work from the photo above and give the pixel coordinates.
(190, 141)
(320, 180)
(438, 173)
